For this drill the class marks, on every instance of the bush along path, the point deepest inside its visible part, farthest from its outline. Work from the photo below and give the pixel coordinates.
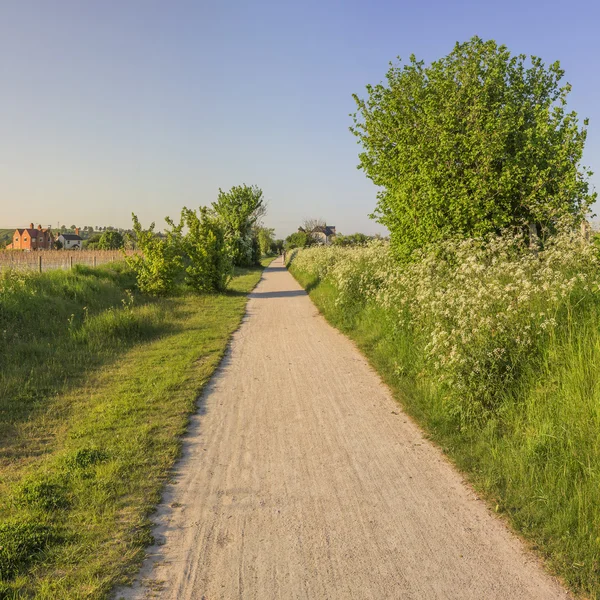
(494, 348)
(302, 478)
(96, 388)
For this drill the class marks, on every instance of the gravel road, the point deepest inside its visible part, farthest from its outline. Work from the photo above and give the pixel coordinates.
(302, 478)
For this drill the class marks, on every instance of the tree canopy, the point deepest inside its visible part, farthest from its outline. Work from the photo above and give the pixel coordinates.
(111, 240)
(478, 141)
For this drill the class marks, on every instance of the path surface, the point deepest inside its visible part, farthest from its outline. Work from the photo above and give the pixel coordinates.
(302, 478)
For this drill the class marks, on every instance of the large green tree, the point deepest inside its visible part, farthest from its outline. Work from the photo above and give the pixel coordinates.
(111, 240)
(478, 141)
(241, 210)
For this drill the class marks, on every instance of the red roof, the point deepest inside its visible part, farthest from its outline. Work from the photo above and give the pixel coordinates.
(32, 232)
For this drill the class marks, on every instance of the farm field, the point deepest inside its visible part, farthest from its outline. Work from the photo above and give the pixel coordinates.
(496, 354)
(97, 383)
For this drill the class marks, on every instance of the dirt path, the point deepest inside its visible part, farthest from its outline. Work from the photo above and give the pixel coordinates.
(302, 478)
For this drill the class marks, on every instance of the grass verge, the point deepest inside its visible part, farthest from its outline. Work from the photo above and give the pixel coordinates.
(538, 461)
(96, 388)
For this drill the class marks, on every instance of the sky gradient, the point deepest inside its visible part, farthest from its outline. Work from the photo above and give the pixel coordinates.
(110, 107)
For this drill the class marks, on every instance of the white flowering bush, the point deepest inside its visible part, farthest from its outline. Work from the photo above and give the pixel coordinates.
(480, 310)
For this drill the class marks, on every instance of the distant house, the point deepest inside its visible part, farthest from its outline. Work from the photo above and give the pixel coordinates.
(321, 233)
(31, 239)
(71, 241)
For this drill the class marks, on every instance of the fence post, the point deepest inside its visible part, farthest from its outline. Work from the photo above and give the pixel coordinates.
(40, 263)
(94, 261)
(71, 262)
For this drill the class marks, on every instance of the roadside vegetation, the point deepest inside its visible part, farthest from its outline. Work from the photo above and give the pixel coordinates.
(482, 311)
(204, 246)
(100, 370)
(495, 350)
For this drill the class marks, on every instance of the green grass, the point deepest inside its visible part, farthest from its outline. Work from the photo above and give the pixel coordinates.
(6, 237)
(538, 461)
(96, 388)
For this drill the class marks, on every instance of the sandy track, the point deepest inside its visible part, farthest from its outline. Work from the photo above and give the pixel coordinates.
(302, 478)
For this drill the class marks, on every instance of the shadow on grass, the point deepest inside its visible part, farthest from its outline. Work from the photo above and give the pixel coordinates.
(58, 328)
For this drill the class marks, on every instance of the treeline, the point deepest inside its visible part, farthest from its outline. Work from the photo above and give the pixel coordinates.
(303, 239)
(204, 246)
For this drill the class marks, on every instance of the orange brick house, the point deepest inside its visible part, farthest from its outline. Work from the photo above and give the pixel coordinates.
(31, 239)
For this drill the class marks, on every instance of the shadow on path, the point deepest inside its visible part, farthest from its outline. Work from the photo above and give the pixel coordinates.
(276, 268)
(280, 294)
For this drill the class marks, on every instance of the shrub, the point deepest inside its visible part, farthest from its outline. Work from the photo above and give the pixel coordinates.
(265, 239)
(299, 239)
(209, 265)
(240, 210)
(481, 309)
(159, 263)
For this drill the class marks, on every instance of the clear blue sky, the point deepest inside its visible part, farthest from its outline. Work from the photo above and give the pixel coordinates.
(110, 107)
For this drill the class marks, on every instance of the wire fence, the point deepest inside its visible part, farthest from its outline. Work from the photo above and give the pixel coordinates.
(47, 260)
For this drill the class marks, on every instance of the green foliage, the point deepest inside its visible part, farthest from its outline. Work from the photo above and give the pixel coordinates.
(495, 350)
(20, 544)
(83, 458)
(256, 253)
(159, 263)
(92, 242)
(240, 209)
(277, 246)
(228, 235)
(111, 240)
(265, 239)
(43, 493)
(6, 236)
(355, 239)
(298, 239)
(209, 265)
(476, 142)
(103, 383)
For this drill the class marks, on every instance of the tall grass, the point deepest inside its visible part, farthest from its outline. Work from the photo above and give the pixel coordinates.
(495, 350)
(97, 383)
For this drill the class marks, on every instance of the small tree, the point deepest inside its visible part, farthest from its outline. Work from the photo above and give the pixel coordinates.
(157, 267)
(209, 266)
(311, 226)
(265, 239)
(299, 239)
(240, 209)
(92, 242)
(476, 142)
(111, 240)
